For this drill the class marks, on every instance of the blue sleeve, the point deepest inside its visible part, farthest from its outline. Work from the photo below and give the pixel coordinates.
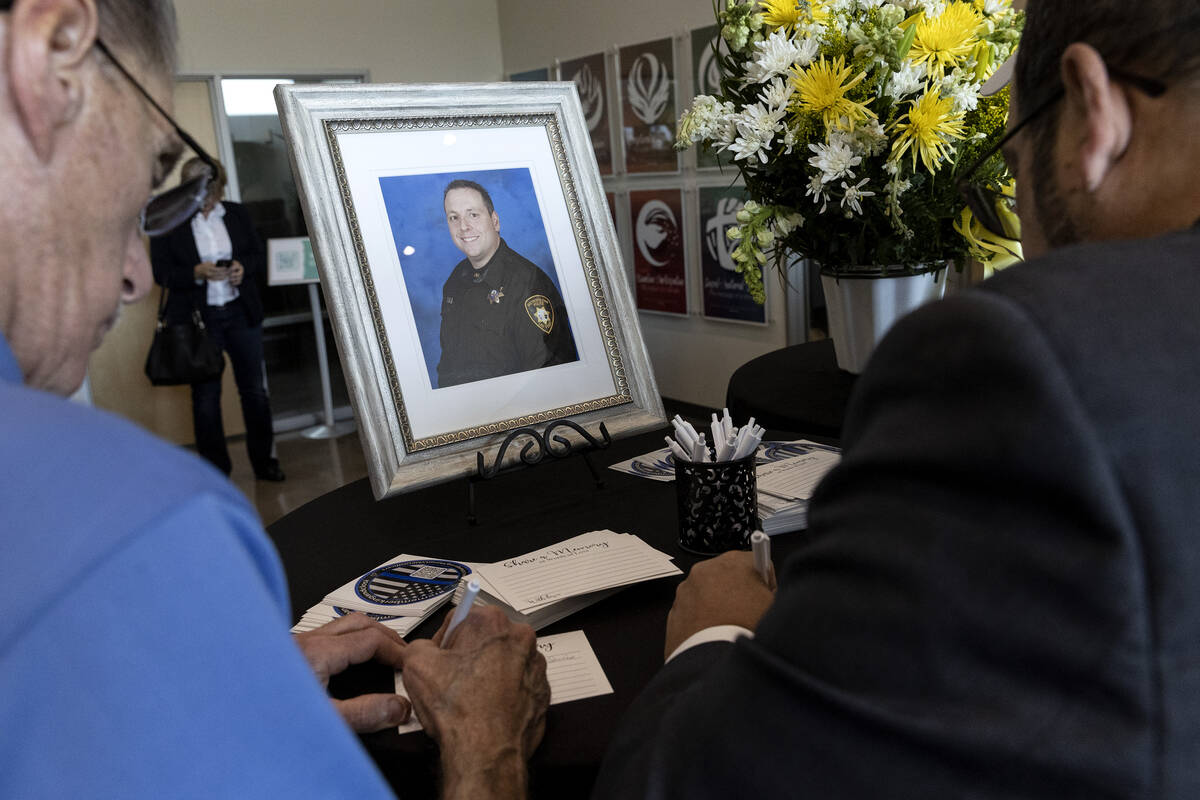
(167, 670)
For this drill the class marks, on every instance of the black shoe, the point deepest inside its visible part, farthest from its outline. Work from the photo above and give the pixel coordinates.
(271, 472)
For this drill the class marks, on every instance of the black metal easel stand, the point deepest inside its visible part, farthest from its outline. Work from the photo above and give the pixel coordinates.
(534, 451)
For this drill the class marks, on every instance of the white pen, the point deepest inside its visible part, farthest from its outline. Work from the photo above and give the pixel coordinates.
(464, 608)
(700, 451)
(761, 544)
(684, 435)
(727, 422)
(718, 436)
(676, 450)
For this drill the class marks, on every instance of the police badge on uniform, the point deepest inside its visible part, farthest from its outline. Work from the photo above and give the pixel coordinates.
(540, 312)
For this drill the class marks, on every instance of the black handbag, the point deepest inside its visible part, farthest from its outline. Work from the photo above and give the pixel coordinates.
(182, 353)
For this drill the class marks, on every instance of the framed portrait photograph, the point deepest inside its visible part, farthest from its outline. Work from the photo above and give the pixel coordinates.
(470, 267)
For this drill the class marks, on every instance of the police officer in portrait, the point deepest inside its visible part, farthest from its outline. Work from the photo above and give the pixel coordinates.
(501, 313)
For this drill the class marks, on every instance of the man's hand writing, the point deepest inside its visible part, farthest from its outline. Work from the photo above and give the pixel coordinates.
(354, 639)
(725, 590)
(483, 699)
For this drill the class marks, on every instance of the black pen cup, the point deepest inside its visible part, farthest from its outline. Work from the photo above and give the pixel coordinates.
(718, 505)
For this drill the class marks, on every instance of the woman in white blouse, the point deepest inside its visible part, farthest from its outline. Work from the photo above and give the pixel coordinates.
(212, 263)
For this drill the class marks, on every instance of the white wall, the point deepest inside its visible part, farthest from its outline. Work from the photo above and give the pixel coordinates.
(693, 357)
(393, 40)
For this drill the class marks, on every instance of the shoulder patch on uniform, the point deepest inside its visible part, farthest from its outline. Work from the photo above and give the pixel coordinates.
(540, 312)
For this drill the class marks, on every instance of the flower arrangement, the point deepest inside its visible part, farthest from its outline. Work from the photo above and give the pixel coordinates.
(850, 120)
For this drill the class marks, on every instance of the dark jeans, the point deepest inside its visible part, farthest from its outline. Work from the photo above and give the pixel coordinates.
(230, 330)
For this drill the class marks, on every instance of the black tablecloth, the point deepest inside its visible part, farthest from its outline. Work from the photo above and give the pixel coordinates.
(346, 532)
(796, 388)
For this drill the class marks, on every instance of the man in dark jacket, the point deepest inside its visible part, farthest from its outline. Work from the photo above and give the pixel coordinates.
(999, 594)
(501, 313)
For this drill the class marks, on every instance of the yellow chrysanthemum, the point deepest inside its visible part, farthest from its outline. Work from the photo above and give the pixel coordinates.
(787, 14)
(947, 40)
(924, 129)
(782, 13)
(822, 88)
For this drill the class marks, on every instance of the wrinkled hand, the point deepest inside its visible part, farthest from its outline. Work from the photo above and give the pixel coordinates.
(725, 590)
(208, 271)
(236, 273)
(483, 699)
(354, 639)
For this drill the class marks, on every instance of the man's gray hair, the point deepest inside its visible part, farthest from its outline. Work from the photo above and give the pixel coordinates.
(144, 27)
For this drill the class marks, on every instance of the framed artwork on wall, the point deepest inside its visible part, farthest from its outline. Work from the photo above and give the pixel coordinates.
(659, 263)
(648, 100)
(725, 294)
(591, 81)
(470, 267)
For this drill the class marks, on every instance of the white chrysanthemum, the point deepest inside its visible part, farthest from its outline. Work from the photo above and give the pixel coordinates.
(788, 141)
(964, 93)
(776, 95)
(835, 160)
(991, 7)
(869, 4)
(773, 56)
(816, 190)
(707, 120)
(909, 79)
(853, 196)
(867, 139)
(756, 128)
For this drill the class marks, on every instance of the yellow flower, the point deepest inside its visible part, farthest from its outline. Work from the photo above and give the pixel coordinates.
(788, 14)
(929, 121)
(946, 40)
(822, 89)
(994, 252)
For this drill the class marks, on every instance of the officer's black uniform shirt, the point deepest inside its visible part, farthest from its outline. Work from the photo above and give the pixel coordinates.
(506, 317)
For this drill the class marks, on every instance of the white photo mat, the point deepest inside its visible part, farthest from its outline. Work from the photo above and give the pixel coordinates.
(343, 140)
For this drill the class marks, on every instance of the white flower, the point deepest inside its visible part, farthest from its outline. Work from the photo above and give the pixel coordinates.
(707, 120)
(964, 93)
(992, 7)
(775, 55)
(777, 94)
(835, 160)
(868, 138)
(788, 140)
(853, 194)
(756, 127)
(786, 223)
(816, 189)
(906, 80)
(869, 4)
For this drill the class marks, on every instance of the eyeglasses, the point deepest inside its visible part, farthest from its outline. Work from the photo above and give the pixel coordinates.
(987, 202)
(166, 211)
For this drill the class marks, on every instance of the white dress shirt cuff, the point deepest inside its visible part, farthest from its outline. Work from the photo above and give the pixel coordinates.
(717, 633)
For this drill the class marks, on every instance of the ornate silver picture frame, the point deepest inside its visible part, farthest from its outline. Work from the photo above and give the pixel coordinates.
(470, 268)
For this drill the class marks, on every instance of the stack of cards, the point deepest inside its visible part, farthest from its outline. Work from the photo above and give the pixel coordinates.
(546, 585)
(401, 593)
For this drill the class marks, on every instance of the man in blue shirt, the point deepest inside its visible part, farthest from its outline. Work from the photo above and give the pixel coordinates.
(144, 648)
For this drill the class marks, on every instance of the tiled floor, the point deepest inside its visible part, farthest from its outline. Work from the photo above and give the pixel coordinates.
(313, 467)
